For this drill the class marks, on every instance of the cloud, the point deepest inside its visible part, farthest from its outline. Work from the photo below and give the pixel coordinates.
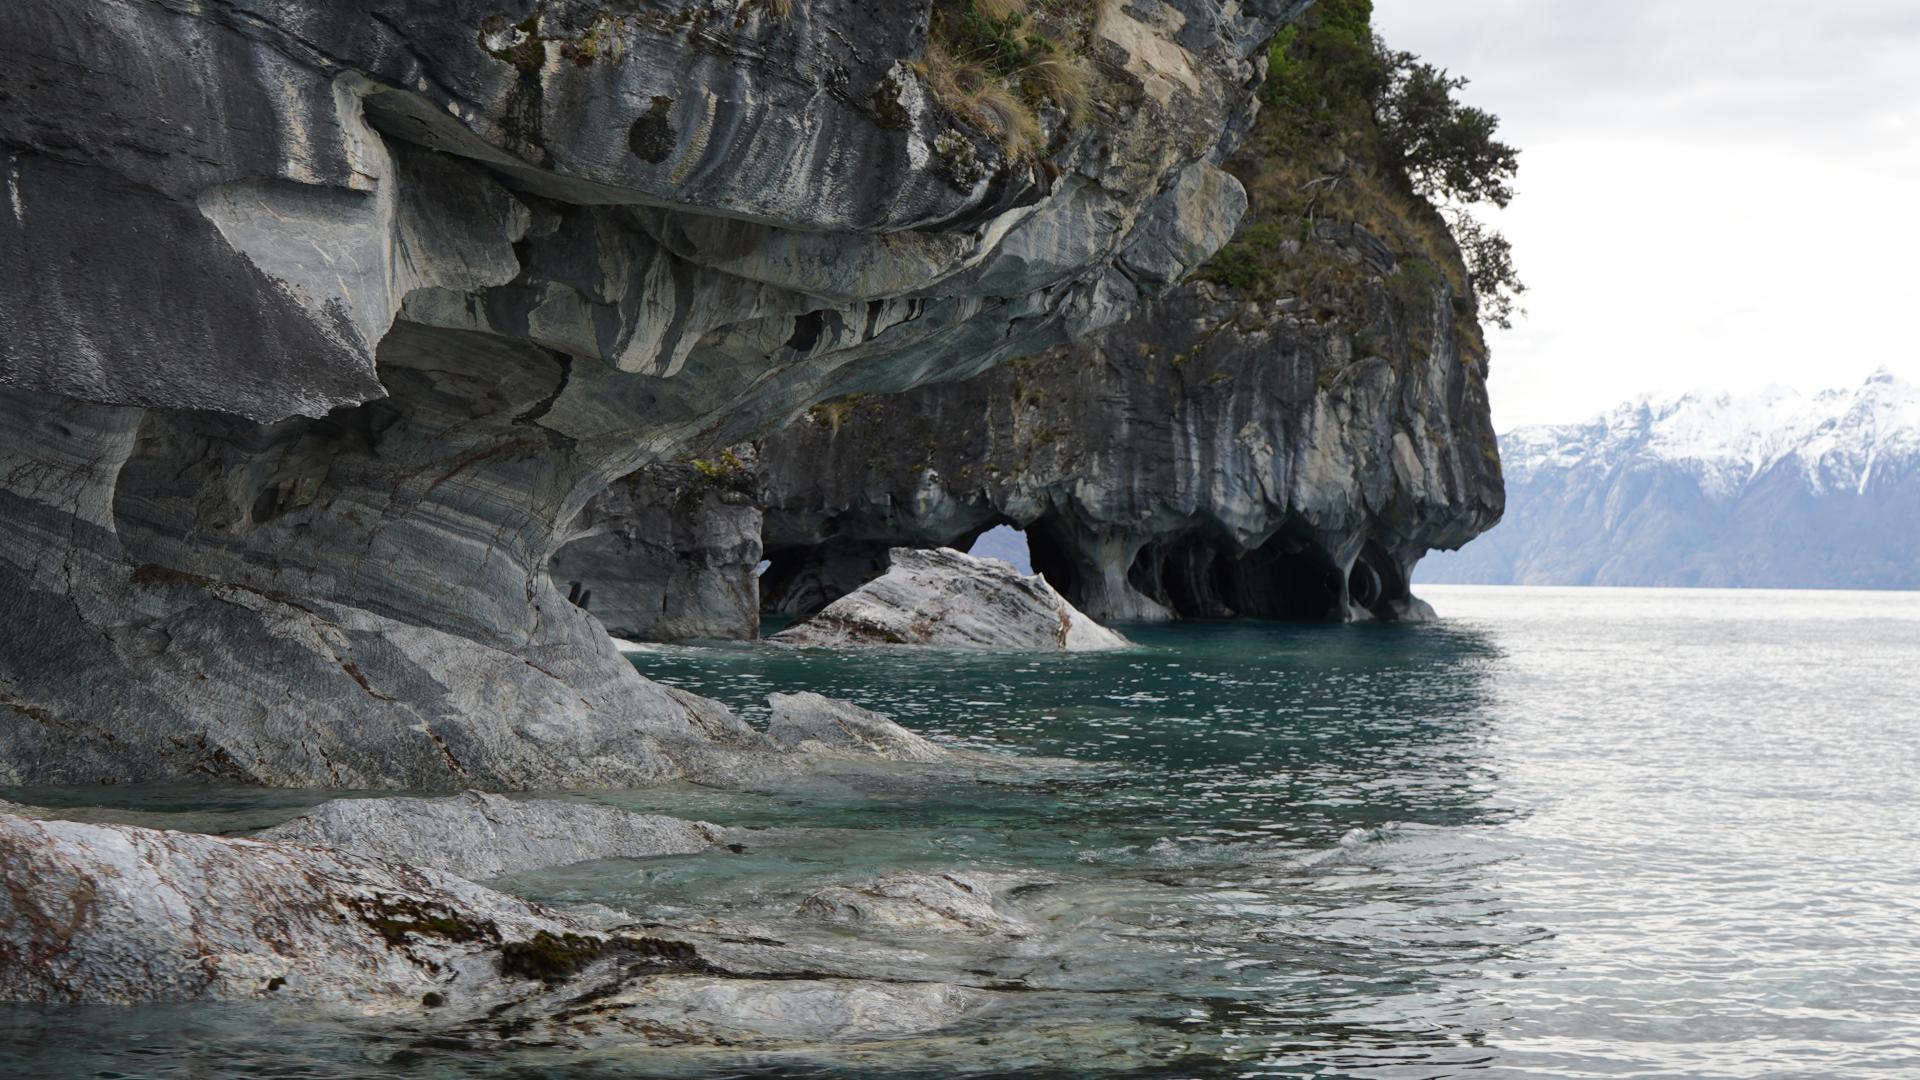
(1715, 193)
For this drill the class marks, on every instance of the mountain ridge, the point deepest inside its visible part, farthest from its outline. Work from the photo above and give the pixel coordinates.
(1770, 489)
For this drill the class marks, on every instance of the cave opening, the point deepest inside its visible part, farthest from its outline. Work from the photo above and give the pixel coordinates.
(1054, 561)
(1376, 581)
(1286, 578)
(1190, 576)
(1363, 584)
(801, 579)
(1003, 542)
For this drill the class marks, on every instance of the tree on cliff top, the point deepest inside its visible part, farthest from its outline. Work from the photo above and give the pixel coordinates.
(1336, 96)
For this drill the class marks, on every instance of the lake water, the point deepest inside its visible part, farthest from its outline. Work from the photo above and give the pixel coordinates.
(1560, 833)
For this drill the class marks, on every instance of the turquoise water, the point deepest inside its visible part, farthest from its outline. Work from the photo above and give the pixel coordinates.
(1561, 833)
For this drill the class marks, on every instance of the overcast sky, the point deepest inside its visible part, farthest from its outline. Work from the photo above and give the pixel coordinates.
(1718, 194)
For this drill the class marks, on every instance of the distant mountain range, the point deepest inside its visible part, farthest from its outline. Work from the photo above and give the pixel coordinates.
(1777, 489)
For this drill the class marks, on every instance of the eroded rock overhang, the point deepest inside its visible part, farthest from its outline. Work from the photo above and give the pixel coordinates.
(321, 322)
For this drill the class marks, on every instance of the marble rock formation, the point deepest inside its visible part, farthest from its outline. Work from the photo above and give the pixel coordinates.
(110, 914)
(478, 836)
(1285, 436)
(946, 599)
(926, 902)
(669, 553)
(1216, 454)
(320, 322)
(811, 723)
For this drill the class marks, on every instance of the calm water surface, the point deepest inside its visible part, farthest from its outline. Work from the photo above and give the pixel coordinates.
(1561, 833)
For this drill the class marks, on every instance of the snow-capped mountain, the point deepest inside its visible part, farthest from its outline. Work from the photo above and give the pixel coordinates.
(1776, 489)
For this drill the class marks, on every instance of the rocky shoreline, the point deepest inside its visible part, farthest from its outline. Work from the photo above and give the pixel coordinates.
(350, 352)
(368, 909)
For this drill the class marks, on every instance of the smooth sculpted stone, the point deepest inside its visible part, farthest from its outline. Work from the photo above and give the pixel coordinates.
(98, 914)
(670, 553)
(947, 599)
(477, 835)
(950, 901)
(811, 723)
(322, 321)
(1284, 435)
(118, 914)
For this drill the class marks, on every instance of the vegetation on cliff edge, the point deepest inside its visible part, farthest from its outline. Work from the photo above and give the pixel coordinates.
(999, 63)
(1352, 131)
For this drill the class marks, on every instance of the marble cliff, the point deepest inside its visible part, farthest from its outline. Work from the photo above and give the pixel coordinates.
(1284, 436)
(322, 321)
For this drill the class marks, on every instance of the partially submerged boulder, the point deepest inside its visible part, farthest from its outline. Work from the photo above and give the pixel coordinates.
(477, 835)
(811, 723)
(947, 599)
(113, 914)
(950, 901)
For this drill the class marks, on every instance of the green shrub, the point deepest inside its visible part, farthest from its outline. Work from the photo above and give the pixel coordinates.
(1347, 123)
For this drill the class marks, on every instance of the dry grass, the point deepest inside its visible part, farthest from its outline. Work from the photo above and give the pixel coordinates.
(1062, 80)
(972, 92)
(1000, 79)
(1012, 119)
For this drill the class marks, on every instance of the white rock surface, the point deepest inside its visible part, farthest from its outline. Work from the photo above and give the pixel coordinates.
(947, 599)
(114, 914)
(477, 835)
(118, 914)
(950, 901)
(811, 723)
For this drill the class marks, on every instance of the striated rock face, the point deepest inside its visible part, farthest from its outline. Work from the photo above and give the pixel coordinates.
(1214, 455)
(476, 835)
(321, 322)
(1284, 438)
(947, 599)
(119, 915)
(669, 553)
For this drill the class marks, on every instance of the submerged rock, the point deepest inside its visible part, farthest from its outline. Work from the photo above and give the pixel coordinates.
(477, 835)
(811, 723)
(951, 600)
(914, 902)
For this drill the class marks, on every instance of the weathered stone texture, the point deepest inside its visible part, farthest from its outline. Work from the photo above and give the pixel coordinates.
(947, 599)
(367, 299)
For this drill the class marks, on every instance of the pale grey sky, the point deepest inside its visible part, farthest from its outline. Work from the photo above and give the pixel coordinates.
(1717, 194)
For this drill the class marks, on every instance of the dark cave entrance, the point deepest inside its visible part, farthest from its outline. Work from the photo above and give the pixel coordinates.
(1375, 581)
(801, 579)
(1199, 576)
(1054, 560)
